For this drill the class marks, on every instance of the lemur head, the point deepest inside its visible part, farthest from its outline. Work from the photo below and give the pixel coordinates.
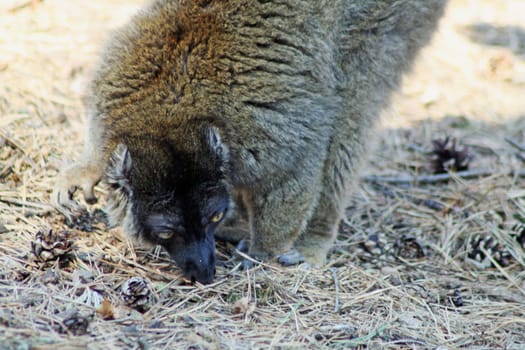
(174, 194)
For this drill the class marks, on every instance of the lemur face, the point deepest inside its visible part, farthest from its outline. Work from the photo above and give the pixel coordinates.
(172, 199)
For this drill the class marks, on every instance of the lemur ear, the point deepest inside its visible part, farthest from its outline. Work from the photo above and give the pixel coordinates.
(213, 138)
(119, 172)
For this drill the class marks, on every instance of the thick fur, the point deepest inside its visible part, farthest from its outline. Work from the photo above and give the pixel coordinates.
(271, 100)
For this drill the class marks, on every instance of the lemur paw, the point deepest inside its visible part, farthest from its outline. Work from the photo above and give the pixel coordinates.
(291, 257)
(243, 247)
(84, 177)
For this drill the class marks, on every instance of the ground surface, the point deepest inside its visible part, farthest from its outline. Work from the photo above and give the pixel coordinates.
(403, 273)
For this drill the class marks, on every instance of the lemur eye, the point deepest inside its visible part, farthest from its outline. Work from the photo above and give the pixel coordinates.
(164, 234)
(217, 217)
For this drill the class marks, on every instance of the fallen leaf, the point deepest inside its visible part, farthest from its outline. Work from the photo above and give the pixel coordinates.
(106, 310)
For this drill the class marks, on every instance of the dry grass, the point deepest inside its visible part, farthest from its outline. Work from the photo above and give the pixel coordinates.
(414, 287)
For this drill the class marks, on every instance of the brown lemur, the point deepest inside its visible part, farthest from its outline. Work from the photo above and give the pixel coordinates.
(271, 102)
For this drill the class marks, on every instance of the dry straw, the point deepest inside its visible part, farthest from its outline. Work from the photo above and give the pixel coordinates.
(416, 266)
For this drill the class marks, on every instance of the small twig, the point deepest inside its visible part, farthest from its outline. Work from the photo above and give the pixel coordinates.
(366, 338)
(337, 306)
(428, 179)
(520, 147)
(28, 209)
(502, 271)
(45, 207)
(521, 156)
(13, 143)
(256, 262)
(417, 148)
(394, 193)
(515, 144)
(7, 167)
(408, 341)
(291, 312)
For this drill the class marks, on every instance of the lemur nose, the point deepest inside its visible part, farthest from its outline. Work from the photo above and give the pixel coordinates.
(201, 272)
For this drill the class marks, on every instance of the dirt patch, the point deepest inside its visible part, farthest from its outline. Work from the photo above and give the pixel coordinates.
(421, 261)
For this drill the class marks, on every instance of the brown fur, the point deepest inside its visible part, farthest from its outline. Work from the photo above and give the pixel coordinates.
(287, 92)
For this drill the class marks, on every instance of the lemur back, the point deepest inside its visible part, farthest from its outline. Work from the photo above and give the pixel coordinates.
(200, 106)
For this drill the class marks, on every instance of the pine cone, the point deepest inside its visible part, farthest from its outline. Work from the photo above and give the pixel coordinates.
(445, 156)
(88, 221)
(74, 322)
(374, 245)
(49, 246)
(455, 298)
(409, 248)
(496, 250)
(136, 293)
(519, 235)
